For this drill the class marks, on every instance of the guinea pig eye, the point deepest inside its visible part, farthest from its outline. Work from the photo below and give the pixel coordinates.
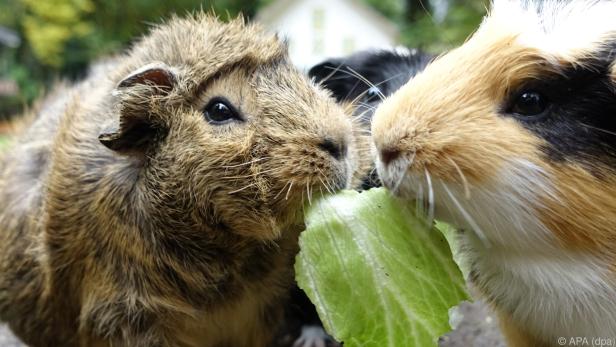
(219, 111)
(529, 103)
(372, 94)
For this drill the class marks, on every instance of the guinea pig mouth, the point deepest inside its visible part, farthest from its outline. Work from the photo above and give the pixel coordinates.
(416, 184)
(306, 189)
(394, 173)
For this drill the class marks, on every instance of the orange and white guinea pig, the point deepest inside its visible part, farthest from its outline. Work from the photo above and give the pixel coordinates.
(512, 137)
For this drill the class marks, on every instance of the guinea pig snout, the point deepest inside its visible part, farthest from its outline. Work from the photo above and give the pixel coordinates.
(337, 148)
(399, 151)
(389, 154)
(397, 146)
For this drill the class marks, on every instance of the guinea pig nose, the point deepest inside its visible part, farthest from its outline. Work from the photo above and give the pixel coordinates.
(337, 149)
(389, 154)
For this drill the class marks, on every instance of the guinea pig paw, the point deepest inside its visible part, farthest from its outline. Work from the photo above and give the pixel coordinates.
(314, 336)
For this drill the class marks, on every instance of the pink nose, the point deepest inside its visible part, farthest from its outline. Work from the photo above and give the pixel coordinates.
(388, 155)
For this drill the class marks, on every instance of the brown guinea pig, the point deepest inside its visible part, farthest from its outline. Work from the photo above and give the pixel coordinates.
(512, 136)
(158, 202)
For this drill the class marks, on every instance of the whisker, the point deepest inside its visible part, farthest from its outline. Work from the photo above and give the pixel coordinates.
(366, 105)
(282, 189)
(468, 217)
(326, 183)
(351, 72)
(430, 198)
(598, 129)
(366, 81)
(286, 197)
(419, 197)
(322, 184)
(241, 189)
(246, 163)
(327, 186)
(467, 191)
(331, 187)
(397, 185)
(308, 193)
(254, 174)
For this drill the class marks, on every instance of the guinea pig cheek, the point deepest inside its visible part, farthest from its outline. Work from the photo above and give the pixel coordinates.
(303, 169)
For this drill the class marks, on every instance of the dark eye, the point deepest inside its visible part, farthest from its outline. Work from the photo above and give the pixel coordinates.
(372, 94)
(530, 104)
(219, 111)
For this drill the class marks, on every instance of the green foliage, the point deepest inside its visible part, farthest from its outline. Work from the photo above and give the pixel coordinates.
(49, 25)
(392, 9)
(420, 28)
(61, 37)
(463, 17)
(377, 275)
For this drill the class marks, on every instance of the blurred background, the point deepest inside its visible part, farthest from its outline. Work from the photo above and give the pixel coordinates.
(42, 41)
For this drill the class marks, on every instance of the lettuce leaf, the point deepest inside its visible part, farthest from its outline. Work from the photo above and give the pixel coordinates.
(376, 273)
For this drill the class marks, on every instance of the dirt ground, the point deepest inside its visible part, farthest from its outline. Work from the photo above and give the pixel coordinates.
(478, 328)
(7, 339)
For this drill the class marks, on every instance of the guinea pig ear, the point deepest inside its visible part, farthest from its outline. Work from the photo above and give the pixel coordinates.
(136, 91)
(157, 75)
(323, 70)
(333, 75)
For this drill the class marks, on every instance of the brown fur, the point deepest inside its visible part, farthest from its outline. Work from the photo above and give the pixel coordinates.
(364, 161)
(517, 336)
(188, 238)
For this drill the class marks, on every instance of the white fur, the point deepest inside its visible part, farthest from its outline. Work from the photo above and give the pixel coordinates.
(554, 294)
(554, 291)
(563, 29)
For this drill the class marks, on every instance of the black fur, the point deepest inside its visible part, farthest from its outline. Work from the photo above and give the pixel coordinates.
(350, 78)
(580, 121)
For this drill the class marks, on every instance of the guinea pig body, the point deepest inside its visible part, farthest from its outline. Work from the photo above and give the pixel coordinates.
(512, 137)
(158, 202)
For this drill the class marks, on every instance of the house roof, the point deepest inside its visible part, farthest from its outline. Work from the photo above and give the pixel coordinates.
(276, 8)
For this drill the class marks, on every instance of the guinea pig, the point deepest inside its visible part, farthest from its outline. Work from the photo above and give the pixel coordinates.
(512, 136)
(158, 202)
(361, 81)
(365, 78)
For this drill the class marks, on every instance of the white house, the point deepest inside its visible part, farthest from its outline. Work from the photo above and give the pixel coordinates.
(319, 29)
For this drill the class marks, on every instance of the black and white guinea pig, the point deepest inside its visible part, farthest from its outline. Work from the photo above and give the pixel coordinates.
(512, 136)
(365, 78)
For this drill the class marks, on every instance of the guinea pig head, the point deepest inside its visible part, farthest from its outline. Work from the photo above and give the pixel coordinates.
(513, 134)
(229, 136)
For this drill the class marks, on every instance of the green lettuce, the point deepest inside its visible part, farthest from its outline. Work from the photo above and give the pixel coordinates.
(378, 275)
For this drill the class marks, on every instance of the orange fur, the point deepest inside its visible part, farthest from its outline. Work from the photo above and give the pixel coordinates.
(589, 204)
(542, 231)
